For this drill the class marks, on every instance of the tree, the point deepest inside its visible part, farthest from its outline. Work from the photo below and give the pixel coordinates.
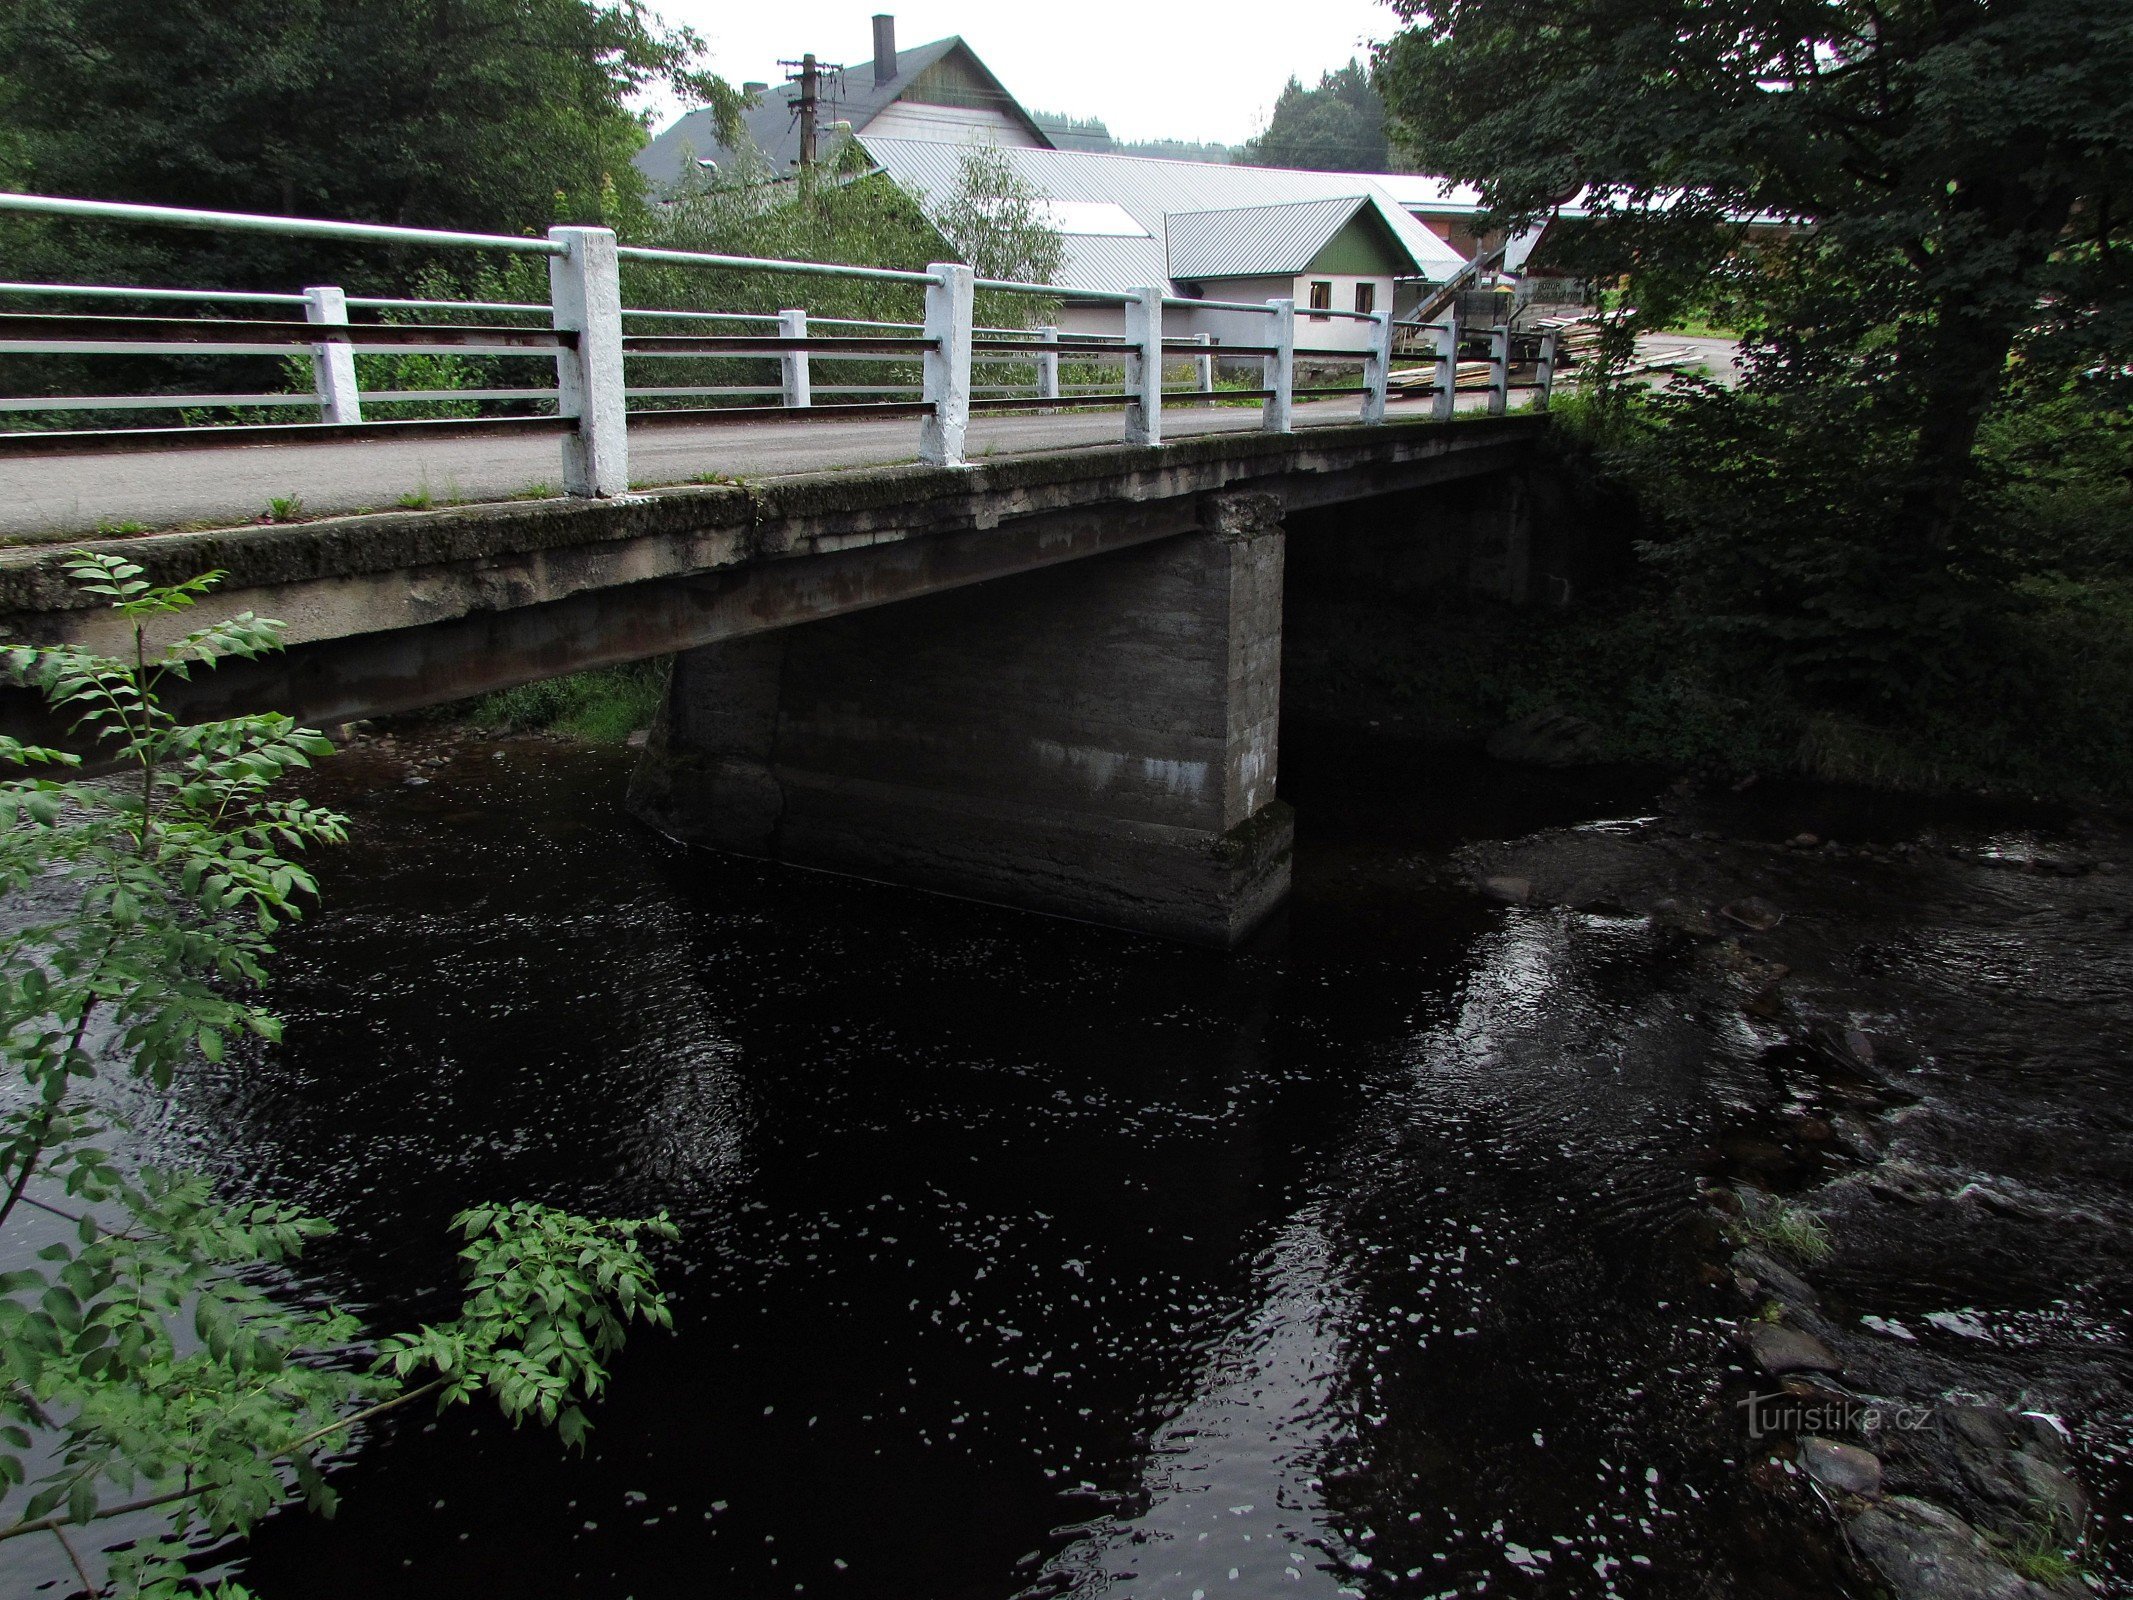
(1337, 127)
(142, 1365)
(480, 115)
(844, 210)
(997, 223)
(1958, 175)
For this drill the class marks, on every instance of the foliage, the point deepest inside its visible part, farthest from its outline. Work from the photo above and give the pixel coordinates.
(997, 223)
(486, 115)
(1789, 1229)
(842, 211)
(1337, 127)
(1955, 183)
(147, 1360)
(548, 1297)
(604, 705)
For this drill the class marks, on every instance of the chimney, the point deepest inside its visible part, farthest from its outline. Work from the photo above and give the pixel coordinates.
(884, 47)
(755, 91)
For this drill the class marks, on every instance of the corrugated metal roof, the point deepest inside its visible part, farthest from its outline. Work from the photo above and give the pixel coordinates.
(1151, 191)
(853, 97)
(1253, 241)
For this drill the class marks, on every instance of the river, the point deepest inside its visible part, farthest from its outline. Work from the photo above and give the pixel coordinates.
(1020, 1257)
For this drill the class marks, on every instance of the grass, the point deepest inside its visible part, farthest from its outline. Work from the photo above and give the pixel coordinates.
(416, 499)
(113, 529)
(285, 508)
(1789, 1230)
(1695, 325)
(2038, 1556)
(535, 491)
(602, 706)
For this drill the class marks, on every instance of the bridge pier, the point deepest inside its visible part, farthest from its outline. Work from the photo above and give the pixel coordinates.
(1096, 740)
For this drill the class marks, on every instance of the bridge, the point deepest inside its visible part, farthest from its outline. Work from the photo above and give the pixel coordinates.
(1047, 679)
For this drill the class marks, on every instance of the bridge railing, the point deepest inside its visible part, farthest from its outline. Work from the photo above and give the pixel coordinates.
(589, 340)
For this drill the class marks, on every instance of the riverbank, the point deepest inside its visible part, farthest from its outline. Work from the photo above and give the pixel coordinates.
(1925, 1217)
(1454, 671)
(603, 706)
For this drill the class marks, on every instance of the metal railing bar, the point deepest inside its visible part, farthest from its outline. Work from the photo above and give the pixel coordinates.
(1320, 313)
(288, 227)
(100, 291)
(396, 396)
(860, 408)
(819, 269)
(1356, 388)
(1216, 305)
(148, 402)
(1052, 291)
(177, 402)
(699, 316)
(25, 332)
(1005, 349)
(1064, 402)
(679, 390)
(80, 441)
(814, 321)
(741, 344)
(174, 347)
(386, 303)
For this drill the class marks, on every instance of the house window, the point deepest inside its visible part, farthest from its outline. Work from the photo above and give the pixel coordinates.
(1322, 295)
(1366, 297)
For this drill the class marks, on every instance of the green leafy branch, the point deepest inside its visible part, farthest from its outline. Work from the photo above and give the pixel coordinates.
(146, 1361)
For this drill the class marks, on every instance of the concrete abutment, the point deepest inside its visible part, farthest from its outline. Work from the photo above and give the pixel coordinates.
(1097, 740)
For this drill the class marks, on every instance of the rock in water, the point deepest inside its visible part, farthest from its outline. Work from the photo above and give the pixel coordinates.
(1550, 738)
(1509, 891)
(1840, 1466)
(1778, 1279)
(1752, 912)
(1778, 1350)
(1925, 1553)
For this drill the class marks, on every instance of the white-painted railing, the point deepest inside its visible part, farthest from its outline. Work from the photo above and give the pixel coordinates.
(592, 340)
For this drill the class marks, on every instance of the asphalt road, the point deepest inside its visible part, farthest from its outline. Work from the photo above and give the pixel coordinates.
(61, 496)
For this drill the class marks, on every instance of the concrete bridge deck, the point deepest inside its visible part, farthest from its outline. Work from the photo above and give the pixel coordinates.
(1048, 679)
(60, 496)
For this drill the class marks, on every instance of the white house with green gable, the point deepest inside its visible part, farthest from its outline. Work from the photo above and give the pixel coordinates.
(1329, 240)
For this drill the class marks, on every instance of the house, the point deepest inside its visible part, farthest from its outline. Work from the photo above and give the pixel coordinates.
(1330, 240)
(936, 91)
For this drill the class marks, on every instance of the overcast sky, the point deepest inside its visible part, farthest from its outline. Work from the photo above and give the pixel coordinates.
(1151, 69)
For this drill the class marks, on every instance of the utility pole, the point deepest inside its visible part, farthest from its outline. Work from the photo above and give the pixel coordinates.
(808, 74)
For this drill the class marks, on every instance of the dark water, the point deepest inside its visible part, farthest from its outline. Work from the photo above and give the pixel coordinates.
(1021, 1257)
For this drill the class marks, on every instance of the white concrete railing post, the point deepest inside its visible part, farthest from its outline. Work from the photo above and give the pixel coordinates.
(792, 364)
(1544, 379)
(1279, 413)
(1446, 335)
(947, 366)
(1377, 367)
(1203, 366)
(333, 367)
(1499, 369)
(1048, 365)
(1144, 367)
(585, 298)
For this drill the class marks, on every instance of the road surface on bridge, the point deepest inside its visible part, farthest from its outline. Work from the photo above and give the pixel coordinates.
(63, 495)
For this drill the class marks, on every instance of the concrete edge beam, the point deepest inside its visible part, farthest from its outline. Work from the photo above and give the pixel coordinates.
(920, 499)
